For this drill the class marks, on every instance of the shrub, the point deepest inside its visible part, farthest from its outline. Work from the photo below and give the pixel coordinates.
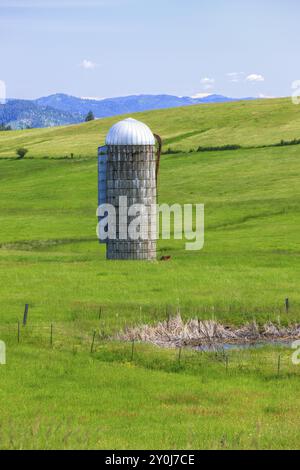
(21, 152)
(219, 148)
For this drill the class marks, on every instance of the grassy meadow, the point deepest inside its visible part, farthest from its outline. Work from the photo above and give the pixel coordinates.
(56, 399)
(247, 123)
(50, 258)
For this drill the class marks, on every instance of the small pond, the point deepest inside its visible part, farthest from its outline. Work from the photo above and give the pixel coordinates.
(218, 347)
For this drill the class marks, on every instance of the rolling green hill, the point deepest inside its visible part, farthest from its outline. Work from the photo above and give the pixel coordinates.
(50, 258)
(246, 123)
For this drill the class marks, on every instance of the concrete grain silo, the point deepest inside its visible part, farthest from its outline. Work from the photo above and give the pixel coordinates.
(128, 166)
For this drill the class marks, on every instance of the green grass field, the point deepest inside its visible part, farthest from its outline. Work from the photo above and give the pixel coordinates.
(50, 258)
(56, 399)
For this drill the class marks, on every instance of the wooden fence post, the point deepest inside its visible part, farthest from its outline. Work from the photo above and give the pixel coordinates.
(287, 305)
(279, 365)
(179, 355)
(168, 316)
(132, 350)
(93, 342)
(25, 314)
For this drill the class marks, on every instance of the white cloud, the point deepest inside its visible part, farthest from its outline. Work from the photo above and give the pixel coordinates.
(254, 78)
(207, 83)
(200, 95)
(235, 77)
(88, 64)
(266, 97)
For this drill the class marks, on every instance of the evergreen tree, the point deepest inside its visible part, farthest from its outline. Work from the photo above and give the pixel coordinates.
(90, 116)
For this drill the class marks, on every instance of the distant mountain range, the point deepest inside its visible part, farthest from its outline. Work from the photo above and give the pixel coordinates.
(62, 109)
(22, 114)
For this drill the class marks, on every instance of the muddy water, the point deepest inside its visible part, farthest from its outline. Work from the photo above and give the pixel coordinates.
(242, 346)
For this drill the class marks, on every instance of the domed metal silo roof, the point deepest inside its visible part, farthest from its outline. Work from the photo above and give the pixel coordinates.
(130, 132)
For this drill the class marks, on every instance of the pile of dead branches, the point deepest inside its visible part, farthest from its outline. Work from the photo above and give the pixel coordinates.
(174, 332)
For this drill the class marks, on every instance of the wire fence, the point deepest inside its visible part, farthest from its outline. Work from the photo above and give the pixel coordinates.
(274, 361)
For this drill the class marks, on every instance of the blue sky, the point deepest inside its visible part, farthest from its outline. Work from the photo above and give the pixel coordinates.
(104, 48)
